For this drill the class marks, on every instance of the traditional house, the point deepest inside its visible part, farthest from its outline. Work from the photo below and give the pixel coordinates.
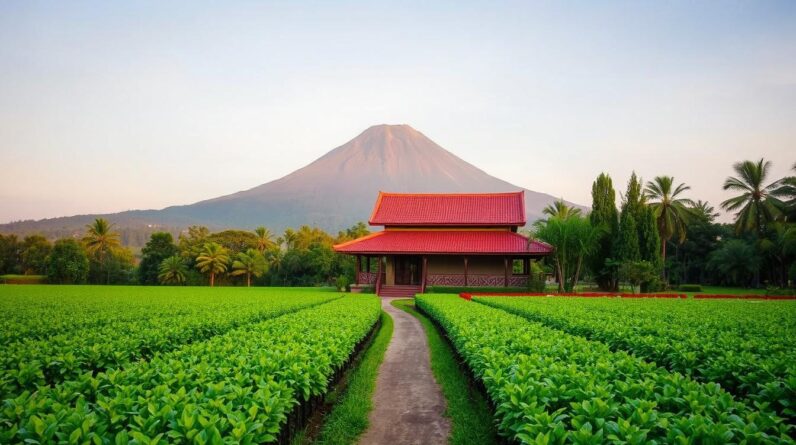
(444, 240)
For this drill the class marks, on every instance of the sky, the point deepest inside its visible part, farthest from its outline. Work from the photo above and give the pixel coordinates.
(110, 106)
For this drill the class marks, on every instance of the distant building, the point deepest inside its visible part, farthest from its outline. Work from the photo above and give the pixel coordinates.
(444, 240)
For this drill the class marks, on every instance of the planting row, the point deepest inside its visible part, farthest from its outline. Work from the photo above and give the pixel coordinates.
(749, 348)
(31, 363)
(552, 387)
(241, 386)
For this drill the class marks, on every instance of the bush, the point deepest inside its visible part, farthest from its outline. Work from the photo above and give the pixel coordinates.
(655, 284)
(23, 279)
(690, 288)
(537, 283)
(343, 284)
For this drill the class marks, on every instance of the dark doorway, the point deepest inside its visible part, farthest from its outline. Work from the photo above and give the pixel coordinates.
(408, 270)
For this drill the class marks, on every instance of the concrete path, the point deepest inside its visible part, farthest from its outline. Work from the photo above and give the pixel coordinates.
(408, 405)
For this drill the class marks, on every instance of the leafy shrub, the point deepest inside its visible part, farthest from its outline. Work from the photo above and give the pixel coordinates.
(690, 288)
(343, 284)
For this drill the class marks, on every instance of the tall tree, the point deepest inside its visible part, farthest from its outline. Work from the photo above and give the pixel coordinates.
(212, 260)
(626, 243)
(560, 209)
(671, 210)
(172, 270)
(100, 241)
(265, 239)
(604, 216)
(649, 239)
(10, 254)
(573, 238)
(159, 247)
(249, 263)
(757, 204)
(67, 263)
(35, 249)
(704, 212)
(289, 238)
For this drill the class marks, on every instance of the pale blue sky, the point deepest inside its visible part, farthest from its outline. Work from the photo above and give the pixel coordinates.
(106, 106)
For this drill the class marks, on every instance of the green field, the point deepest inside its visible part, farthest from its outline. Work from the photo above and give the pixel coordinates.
(591, 370)
(87, 364)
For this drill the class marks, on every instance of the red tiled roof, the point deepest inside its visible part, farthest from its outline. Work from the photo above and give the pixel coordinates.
(440, 209)
(444, 242)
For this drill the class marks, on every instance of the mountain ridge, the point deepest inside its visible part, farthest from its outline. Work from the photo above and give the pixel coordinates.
(332, 192)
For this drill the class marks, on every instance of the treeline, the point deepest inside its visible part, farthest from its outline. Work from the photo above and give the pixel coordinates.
(657, 237)
(302, 257)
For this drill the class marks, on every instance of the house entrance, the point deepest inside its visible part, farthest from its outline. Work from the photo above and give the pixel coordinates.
(408, 270)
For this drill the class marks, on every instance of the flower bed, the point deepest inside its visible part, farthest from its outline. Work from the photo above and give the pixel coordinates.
(470, 295)
(743, 297)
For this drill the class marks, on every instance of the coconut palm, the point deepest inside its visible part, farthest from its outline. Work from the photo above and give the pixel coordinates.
(757, 205)
(172, 270)
(212, 260)
(672, 212)
(289, 238)
(265, 239)
(100, 240)
(703, 211)
(250, 262)
(561, 210)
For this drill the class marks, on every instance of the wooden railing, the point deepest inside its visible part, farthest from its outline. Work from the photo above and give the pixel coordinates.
(480, 280)
(367, 277)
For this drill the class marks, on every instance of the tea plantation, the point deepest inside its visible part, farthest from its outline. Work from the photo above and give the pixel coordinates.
(99, 365)
(575, 370)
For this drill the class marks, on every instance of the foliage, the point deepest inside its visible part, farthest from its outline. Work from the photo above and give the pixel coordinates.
(240, 383)
(342, 283)
(636, 272)
(560, 209)
(35, 249)
(67, 263)
(10, 255)
(159, 247)
(736, 261)
(249, 263)
(172, 270)
(737, 344)
(213, 259)
(552, 387)
(690, 288)
(117, 267)
(605, 217)
(626, 244)
(101, 241)
(757, 205)
(573, 238)
(265, 239)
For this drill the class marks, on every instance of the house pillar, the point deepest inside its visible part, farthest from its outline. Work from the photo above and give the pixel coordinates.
(466, 270)
(378, 277)
(424, 275)
(367, 263)
(505, 272)
(359, 269)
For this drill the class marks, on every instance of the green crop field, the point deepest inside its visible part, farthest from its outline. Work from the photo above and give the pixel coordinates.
(82, 364)
(578, 370)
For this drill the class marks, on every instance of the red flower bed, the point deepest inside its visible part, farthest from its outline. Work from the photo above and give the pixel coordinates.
(743, 297)
(469, 296)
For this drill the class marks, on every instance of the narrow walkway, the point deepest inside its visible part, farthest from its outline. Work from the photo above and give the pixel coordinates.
(408, 405)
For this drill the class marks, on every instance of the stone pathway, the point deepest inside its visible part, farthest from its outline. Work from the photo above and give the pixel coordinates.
(408, 405)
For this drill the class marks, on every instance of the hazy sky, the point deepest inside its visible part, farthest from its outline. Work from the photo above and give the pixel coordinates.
(108, 106)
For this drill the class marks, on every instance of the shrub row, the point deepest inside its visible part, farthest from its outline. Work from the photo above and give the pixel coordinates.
(236, 388)
(32, 363)
(470, 295)
(552, 387)
(749, 349)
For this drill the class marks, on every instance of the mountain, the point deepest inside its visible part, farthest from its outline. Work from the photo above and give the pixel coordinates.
(333, 192)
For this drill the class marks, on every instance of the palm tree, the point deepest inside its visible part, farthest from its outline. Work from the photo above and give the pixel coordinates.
(250, 262)
(172, 270)
(213, 259)
(757, 205)
(289, 238)
(265, 239)
(703, 211)
(100, 239)
(561, 210)
(671, 212)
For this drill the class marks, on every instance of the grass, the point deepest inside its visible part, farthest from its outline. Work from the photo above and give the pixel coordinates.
(349, 416)
(470, 414)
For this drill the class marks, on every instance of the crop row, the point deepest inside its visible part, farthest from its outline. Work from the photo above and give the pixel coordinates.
(748, 348)
(552, 387)
(240, 386)
(29, 364)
